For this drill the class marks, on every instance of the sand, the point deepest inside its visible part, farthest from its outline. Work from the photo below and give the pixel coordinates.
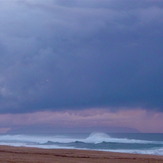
(35, 155)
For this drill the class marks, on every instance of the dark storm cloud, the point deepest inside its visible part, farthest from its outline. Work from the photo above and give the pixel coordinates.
(79, 54)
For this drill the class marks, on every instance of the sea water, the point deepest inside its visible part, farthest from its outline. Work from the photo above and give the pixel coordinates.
(126, 143)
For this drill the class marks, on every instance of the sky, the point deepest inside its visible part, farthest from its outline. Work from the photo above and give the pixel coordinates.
(81, 66)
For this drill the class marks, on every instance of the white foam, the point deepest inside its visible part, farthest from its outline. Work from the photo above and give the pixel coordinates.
(103, 137)
(40, 141)
(154, 151)
(35, 139)
(92, 138)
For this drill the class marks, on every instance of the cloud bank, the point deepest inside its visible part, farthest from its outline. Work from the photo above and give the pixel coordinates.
(59, 54)
(91, 120)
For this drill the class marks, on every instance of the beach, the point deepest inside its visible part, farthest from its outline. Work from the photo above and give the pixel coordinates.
(9, 154)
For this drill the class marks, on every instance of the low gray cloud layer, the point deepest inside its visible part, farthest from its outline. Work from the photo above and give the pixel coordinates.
(59, 54)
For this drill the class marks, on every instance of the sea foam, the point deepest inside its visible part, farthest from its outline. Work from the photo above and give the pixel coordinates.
(94, 141)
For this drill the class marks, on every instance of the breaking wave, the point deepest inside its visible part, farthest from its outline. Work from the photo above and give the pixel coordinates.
(92, 138)
(103, 137)
(95, 141)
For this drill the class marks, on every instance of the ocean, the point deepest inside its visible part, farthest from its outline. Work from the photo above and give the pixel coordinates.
(139, 143)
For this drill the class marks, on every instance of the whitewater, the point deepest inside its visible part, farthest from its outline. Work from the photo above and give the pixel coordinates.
(125, 143)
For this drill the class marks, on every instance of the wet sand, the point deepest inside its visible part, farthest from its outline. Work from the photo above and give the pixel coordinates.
(35, 155)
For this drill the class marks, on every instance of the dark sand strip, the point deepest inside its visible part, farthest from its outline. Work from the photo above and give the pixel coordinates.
(36, 155)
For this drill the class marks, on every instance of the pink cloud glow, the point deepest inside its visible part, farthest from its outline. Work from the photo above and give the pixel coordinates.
(140, 119)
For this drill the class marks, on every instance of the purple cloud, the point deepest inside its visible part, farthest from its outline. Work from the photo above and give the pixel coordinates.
(80, 54)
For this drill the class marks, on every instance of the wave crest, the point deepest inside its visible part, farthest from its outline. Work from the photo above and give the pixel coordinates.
(97, 137)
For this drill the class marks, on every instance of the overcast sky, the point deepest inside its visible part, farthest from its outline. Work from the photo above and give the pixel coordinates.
(59, 55)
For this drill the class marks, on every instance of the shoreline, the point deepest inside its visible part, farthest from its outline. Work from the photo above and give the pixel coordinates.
(10, 154)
